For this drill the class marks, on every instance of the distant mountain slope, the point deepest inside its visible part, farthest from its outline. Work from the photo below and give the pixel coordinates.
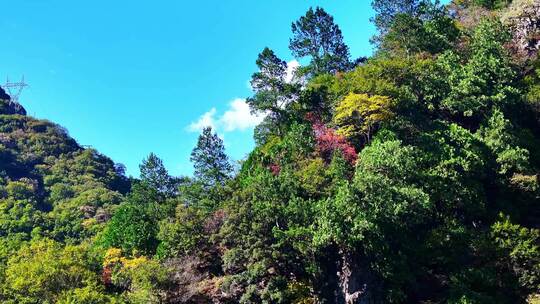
(44, 169)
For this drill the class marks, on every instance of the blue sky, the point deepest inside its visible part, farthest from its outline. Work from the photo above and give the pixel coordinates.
(133, 77)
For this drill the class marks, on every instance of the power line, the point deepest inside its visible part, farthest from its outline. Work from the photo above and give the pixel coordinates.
(14, 89)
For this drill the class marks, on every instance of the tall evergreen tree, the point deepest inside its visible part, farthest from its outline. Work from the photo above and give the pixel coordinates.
(387, 10)
(154, 174)
(273, 91)
(269, 83)
(315, 35)
(411, 26)
(212, 166)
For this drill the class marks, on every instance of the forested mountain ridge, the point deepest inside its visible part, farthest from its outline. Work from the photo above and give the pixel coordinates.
(44, 171)
(411, 176)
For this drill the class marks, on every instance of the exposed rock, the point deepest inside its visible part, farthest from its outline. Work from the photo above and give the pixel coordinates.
(4, 95)
(523, 17)
(468, 16)
(9, 107)
(189, 276)
(102, 215)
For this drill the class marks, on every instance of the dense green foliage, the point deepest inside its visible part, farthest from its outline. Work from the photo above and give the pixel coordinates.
(211, 164)
(409, 177)
(317, 36)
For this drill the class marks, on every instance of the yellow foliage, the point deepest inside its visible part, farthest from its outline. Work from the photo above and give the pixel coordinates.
(112, 256)
(301, 293)
(534, 299)
(526, 182)
(311, 173)
(358, 114)
(134, 263)
(88, 223)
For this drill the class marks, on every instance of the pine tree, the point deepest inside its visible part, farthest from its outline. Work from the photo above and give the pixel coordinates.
(387, 10)
(273, 91)
(212, 166)
(412, 26)
(154, 174)
(269, 83)
(317, 36)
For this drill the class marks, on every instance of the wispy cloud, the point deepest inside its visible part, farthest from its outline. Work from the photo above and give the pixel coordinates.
(206, 120)
(237, 117)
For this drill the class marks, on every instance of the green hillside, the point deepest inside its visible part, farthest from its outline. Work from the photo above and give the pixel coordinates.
(411, 176)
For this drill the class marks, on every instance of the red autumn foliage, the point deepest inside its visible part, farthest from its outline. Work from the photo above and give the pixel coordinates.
(106, 276)
(274, 168)
(328, 141)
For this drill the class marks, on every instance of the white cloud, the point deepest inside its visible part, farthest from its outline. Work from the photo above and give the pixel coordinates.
(237, 117)
(292, 66)
(206, 120)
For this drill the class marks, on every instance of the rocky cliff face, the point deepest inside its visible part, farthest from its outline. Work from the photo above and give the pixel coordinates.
(4, 95)
(9, 107)
(523, 16)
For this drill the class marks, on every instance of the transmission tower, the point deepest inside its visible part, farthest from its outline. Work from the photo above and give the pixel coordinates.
(14, 89)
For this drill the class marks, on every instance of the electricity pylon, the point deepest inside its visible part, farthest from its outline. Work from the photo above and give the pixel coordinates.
(14, 89)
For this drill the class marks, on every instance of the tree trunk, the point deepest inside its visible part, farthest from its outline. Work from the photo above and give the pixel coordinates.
(355, 282)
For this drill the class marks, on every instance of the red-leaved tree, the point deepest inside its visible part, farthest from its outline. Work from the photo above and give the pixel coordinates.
(328, 141)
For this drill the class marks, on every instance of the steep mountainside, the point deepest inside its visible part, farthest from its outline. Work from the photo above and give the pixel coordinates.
(49, 185)
(412, 176)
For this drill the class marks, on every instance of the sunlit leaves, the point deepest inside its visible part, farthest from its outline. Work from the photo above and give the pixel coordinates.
(360, 114)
